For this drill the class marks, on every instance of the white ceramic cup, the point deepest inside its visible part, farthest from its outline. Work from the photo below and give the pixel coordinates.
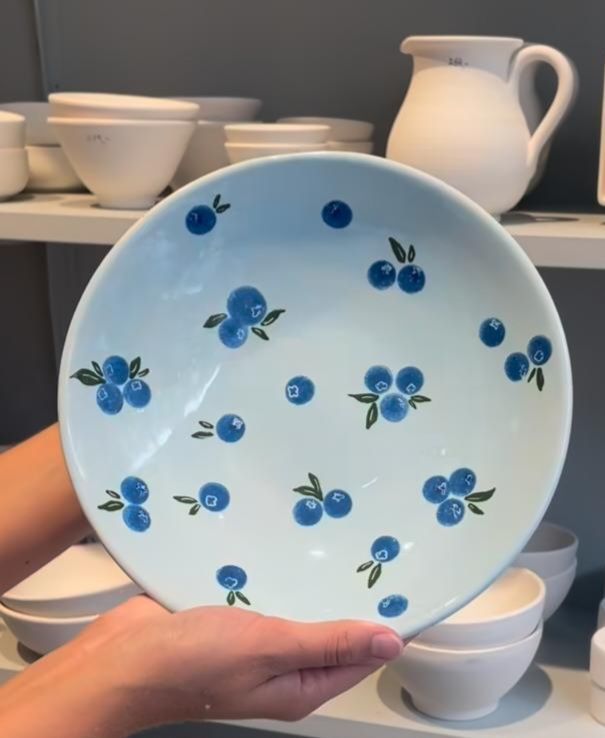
(14, 171)
(12, 130)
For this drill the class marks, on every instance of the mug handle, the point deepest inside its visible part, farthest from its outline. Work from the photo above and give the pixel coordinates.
(564, 95)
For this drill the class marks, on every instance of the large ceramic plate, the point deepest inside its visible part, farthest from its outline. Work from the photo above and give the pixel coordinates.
(318, 386)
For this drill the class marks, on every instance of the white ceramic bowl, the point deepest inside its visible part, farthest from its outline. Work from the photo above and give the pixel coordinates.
(14, 171)
(342, 129)
(12, 130)
(557, 589)
(238, 152)
(225, 108)
(205, 153)
(37, 130)
(103, 105)
(50, 170)
(276, 133)
(463, 684)
(126, 163)
(361, 147)
(551, 550)
(41, 634)
(83, 580)
(506, 612)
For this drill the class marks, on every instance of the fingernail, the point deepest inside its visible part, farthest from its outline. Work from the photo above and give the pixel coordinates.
(386, 646)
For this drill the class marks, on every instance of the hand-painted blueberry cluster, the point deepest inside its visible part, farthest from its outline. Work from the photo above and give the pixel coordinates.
(337, 214)
(117, 381)
(212, 496)
(135, 492)
(300, 390)
(392, 606)
(336, 504)
(202, 218)
(411, 278)
(384, 549)
(394, 405)
(516, 366)
(492, 332)
(233, 578)
(246, 308)
(229, 428)
(450, 495)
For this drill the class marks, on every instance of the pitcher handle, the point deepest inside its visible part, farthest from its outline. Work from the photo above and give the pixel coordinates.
(564, 96)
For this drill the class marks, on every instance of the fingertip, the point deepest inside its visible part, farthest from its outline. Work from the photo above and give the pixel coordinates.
(386, 646)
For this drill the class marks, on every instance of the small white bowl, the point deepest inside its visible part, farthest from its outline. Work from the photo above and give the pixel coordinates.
(549, 551)
(14, 172)
(83, 580)
(37, 130)
(276, 133)
(205, 153)
(231, 109)
(557, 589)
(104, 105)
(50, 170)
(463, 684)
(12, 130)
(506, 612)
(125, 163)
(360, 147)
(342, 129)
(242, 152)
(42, 635)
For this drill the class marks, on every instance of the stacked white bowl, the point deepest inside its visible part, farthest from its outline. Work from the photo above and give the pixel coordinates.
(552, 554)
(462, 667)
(345, 134)
(253, 140)
(206, 150)
(13, 157)
(125, 148)
(55, 603)
(49, 168)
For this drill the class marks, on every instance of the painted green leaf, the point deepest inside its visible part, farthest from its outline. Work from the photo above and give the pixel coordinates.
(374, 575)
(398, 250)
(412, 404)
(111, 505)
(185, 499)
(113, 494)
(364, 566)
(97, 368)
(135, 365)
(540, 379)
(420, 398)
(372, 415)
(480, 496)
(365, 397)
(195, 509)
(474, 509)
(143, 373)
(215, 320)
(272, 317)
(230, 599)
(222, 208)
(260, 333)
(216, 201)
(242, 598)
(411, 253)
(87, 377)
(202, 434)
(205, 424)
(531, 375)
(308, 492)
(314, 482)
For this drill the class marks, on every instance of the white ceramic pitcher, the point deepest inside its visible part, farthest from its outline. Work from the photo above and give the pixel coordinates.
(462, 120)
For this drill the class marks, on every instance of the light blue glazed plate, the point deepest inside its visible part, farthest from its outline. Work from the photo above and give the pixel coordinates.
(318, 386)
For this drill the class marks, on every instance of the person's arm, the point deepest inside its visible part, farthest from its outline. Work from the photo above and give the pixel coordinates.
(39, 512)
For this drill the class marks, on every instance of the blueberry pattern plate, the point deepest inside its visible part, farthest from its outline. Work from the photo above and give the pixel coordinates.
(317, 386)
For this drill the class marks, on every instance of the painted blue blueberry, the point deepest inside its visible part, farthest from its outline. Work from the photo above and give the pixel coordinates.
(231, 577)
(462, 482)
(338, 503)
(382, 275)
(516, 366)
(393, 407)
(435, 489)
(411, 279)
(214, 496)
(300, 390)
(392, 606)
(307, 512)
(230, 428)
(337, 214)
(247, 305)
(539, 350)
(492, 332)
(200, 220)
(378, 379)
(137, 393)
(136, 518)
(232, 333)
(385, 548)
(134, 490)
(109, 398)
(450, 512)
(409, 380)
(115, 370)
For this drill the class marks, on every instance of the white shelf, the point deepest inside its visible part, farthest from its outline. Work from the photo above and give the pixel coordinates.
(551, 701)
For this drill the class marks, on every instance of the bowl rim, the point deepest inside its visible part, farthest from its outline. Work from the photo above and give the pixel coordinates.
(104, 100)
(573, 543)
(334, 119)
(61, 120)
(261, 126)
(560, 574)
(303, 146)
(44, 620)
(424, 647)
